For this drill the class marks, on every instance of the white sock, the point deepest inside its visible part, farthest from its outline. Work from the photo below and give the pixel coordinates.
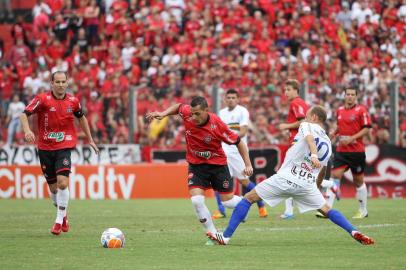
(289, 206)
(362, 195)
(327, 183)
(203, 214)
(62, 199)
(330, 197)
(233, 202)
(53, 198)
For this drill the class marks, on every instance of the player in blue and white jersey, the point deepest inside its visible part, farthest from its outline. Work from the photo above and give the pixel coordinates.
(299, 177)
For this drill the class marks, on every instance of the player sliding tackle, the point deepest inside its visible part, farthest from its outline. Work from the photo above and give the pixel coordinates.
(204, 132)
(304, 166)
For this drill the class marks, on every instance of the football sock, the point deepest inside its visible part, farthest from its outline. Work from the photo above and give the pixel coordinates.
(62, 199)
(339, 219)
(203, 214)
(239, 214)
(219, 203)
(327, 183)
(233, 202)
(330, 197)
(251, 186)
(53, 198)
(289, 206)
(362, 194)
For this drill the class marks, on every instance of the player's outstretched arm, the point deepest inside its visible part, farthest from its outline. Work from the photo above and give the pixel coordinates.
(243, 149)
(172, 110)
(85, 127)
(313, 151)
(321, 176)
(28, 134)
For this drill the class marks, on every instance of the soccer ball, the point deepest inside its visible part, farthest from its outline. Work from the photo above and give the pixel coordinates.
(112, 238)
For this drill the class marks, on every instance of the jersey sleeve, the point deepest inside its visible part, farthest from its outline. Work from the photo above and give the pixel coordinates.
(305, 129)
(245, 117)
(227, 136)
(298, 111)
(364, 118)
(34, 106)
(184, 111)
(77, 109)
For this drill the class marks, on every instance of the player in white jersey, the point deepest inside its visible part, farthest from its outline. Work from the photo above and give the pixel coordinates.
(237, 118)
(299, 177)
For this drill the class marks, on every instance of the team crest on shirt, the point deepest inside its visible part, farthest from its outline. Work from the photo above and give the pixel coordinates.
(207, 139)
(226, 184)
(213, 126)
(52, 109)
(65, 162)
(69, 109)
(352, 118)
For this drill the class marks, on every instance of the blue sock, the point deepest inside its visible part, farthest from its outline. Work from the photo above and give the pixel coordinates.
(251, 186)
(339, 219)
(219, 203)
(239, 213)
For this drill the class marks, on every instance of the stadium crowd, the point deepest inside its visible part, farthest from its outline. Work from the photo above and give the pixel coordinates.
(172, 50)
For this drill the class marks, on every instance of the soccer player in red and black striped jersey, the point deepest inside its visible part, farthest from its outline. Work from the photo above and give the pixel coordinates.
(204, 132)
(297, 113)
(56, 111)
(353, 123)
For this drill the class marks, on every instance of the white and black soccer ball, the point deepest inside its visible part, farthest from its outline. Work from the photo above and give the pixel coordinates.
(112, 238)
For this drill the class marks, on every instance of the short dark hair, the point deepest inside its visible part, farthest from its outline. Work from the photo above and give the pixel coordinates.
(320, 112)
(351, 88)
(58, 72)
(199, 101)
(232, 91)
(294, 83)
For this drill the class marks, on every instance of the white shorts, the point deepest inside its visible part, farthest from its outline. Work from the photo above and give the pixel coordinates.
(275, 189)
(236, 165)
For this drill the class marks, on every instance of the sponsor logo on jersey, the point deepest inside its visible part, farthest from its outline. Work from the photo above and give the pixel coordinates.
(303, 174)
(203, 154)
(68, 137)
(69, 110)
(306, 167)
(57, 136)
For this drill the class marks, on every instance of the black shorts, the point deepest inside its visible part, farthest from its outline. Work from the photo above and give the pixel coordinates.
(54, 163)
(355, 161)
(207, 176)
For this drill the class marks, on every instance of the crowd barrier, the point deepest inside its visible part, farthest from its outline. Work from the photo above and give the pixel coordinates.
(166, 177)
(100, 182)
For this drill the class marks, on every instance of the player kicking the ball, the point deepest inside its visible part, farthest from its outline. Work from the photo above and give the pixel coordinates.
(204, 132)
(304, 166)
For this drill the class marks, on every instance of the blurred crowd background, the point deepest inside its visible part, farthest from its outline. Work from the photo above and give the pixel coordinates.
(169, 51)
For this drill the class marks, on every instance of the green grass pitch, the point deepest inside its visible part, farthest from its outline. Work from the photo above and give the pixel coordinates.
(165, 234)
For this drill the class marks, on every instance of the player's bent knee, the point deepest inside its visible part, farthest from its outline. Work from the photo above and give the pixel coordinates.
(325, 209)
(197, 200)
(63, 181)
(244, 182)
(252, 196)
